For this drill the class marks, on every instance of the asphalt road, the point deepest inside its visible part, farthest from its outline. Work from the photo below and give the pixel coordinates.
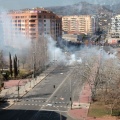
(44, 102)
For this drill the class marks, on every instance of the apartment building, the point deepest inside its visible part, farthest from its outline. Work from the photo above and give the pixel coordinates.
(114, 30)
(78, 24)
(34, 22)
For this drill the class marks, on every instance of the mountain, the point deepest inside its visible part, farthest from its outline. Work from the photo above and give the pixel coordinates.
(81, 8)
(115, 8)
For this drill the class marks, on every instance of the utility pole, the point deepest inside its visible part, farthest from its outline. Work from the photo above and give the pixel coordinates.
(33, 64)
(34, 50)
(71, 93)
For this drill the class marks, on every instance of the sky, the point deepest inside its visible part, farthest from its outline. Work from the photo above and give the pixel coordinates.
(19, 4)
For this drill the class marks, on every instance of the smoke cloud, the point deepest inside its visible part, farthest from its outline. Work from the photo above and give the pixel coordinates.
(11, 38)
(85, 53)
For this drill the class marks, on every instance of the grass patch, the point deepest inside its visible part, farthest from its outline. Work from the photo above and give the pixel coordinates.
(23, 72)
(98, 110)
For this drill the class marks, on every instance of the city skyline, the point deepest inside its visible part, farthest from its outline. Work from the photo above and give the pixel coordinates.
(20, 4)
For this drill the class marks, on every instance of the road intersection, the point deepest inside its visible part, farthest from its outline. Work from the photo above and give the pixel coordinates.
(51, 98)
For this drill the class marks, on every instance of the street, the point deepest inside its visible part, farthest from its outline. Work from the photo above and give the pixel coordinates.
(49, 100)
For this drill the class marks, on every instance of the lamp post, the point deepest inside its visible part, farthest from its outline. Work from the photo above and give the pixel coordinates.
(33, 64)
(18, 88)
(71, 92)
(56, 108)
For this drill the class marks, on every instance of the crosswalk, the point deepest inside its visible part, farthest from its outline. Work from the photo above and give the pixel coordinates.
(24, 104)
(42, 101)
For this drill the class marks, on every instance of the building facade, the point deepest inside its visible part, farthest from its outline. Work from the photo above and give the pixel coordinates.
(114, 30)
(78, 24)
(33, 23)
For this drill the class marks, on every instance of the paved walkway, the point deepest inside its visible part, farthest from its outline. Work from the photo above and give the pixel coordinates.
(80, 111)
(10, 91)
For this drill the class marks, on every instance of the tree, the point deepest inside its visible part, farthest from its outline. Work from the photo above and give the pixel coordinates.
(10, 64)
(15, 66)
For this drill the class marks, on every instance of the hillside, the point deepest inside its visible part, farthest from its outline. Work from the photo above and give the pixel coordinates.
(80, 9)
(115, 8)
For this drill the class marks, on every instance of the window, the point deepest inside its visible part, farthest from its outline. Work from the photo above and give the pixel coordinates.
(40, 20)
(32, 29)
(39, 16)
(32, 25)
(32, 33)
(19, 20)
(19, 24)
(31, 20)
(44, 16)
(33, 16)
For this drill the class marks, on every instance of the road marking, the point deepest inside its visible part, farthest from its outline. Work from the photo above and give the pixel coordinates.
(52, 110)
(59, 86)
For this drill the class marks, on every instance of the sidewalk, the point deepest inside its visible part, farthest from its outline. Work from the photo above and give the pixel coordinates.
(80, 110)
(10, 93)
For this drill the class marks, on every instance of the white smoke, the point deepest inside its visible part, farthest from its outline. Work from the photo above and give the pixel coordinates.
(10, 35)
(55, 53)
(63, 57)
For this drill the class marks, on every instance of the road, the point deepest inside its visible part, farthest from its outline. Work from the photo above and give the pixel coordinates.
(44, 101)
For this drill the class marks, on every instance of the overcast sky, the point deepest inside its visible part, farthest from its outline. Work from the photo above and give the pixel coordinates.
(19, 4)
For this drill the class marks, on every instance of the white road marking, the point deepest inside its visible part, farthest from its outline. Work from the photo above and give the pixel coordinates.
(53, 110)
(59, 86)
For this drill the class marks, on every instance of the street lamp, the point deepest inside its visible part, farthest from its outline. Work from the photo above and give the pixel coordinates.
(19, 88)
(56, 108)
(71, 92)
(33, 64)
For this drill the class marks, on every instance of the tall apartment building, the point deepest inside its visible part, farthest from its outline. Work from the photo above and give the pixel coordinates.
(114, 30)
(34, 22)
(78, 24)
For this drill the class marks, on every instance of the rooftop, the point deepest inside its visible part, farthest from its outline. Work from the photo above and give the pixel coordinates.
(32, 10)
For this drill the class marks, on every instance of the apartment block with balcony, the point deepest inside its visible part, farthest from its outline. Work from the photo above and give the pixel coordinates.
(114, 30)
(37, 21)
(78, 24)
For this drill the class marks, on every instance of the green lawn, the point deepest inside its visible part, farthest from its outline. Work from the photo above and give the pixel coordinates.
(98, 110)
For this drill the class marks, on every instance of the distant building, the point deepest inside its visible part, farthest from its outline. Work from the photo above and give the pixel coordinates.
(114, 30)
(79, 24)
(34, 22)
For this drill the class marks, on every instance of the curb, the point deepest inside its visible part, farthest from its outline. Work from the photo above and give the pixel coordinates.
(27, 91)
